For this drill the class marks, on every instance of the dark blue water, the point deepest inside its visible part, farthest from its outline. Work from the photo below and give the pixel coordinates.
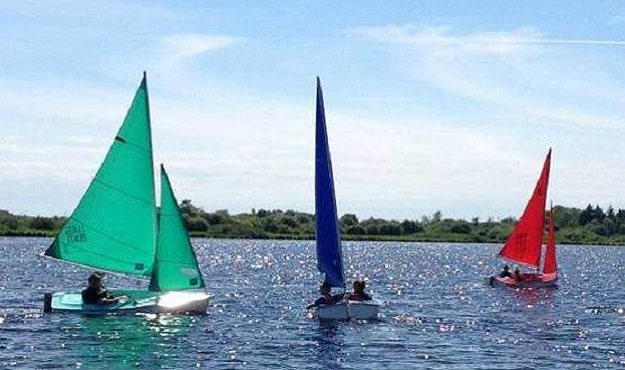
(440, 314)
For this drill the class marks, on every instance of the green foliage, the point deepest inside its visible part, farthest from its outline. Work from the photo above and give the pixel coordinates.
(591, 225)
(17, 225)
(349, 219)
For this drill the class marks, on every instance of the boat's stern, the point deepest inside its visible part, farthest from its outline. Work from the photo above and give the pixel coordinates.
(336, 311)
(346, 310)
(364, 310)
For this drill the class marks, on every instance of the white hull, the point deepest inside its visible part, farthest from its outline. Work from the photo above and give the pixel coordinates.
(181, 302)
(346, 310)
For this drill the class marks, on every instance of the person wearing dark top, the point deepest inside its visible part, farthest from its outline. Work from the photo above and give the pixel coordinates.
(506, 272)
(326, 296)
(95, 293)
(518, 275)
(359, 292)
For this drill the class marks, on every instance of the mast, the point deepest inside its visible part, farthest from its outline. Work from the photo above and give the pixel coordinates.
(550, 263)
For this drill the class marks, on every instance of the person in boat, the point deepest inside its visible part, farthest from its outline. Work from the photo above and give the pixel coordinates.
(96, 293)
(518, 275)
(506, 272)
(326, 296)
(359, 292)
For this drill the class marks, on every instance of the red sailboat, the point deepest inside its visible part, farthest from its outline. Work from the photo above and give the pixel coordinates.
(524, 244)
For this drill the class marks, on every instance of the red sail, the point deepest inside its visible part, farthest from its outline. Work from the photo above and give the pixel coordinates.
(551, 266)
(524, 244)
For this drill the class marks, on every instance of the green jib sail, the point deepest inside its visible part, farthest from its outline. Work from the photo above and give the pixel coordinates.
(113, 228)
(175, 266)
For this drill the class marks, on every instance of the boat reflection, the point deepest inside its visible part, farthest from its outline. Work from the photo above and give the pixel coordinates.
(145, 341)
(531, 298)
(327, 336)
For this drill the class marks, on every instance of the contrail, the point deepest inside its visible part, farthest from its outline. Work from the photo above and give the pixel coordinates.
(452, 42)
(558, 42)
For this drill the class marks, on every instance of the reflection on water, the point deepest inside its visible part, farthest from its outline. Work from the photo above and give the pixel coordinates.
(329, 354)
(440, 312)
(140, 341)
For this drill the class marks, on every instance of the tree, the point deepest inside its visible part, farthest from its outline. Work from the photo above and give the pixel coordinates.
(598, 214)
(303, 218)
(349, 219)
(355, 230)
(11, 222)
(289, 221)
(41, 223)
(214, 218)
(461, 227)
(610, 213)
(270, 225)
(197, 224)
(186, 207)
(391, 228)
(411, 227)
(475, 221)
(437, 216)
(508, 220)
(586, 216)
(609, 227)
(372, 230)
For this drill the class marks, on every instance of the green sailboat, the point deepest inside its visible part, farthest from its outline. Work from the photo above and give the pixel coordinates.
(117, 227)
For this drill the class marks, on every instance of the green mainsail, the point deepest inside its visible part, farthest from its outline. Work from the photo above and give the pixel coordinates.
(175, 266)
(113, 228)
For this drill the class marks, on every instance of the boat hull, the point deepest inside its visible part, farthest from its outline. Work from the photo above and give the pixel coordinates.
(141, 301)
(346, 310)
(530, 281)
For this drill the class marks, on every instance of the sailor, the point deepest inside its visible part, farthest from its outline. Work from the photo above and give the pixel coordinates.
(95, 293)
(326, 296)
(359, 292)
(506, 272)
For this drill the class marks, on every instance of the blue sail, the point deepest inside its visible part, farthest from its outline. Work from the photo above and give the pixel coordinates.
(329, 254)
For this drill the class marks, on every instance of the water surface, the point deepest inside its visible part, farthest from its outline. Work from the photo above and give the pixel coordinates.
(440, 314)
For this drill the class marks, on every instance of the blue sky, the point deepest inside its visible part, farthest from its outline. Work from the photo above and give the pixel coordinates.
(431, 105)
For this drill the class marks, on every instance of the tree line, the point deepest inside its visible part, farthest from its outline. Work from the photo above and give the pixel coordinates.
(591, 225)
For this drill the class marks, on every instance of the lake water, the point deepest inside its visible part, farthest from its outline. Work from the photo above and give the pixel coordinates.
(440, 313)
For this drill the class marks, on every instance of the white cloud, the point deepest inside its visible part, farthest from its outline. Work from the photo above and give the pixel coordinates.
(521, 71)
(178, 48)
(440, 42)
(227, 147)
(513, 94)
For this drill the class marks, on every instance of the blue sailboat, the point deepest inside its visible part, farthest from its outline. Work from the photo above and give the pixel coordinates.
(327, 231)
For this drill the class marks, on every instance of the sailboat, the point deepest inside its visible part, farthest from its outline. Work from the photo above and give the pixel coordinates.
(327, 232)
(524, 244)
(118, 228)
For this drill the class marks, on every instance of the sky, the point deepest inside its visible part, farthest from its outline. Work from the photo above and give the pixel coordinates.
(431, 106)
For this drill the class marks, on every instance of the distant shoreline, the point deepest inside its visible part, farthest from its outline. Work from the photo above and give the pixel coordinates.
(590, 226)
(286, 238)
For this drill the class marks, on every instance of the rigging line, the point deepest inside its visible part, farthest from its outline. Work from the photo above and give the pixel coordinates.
(118, 190)
(127, 245)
